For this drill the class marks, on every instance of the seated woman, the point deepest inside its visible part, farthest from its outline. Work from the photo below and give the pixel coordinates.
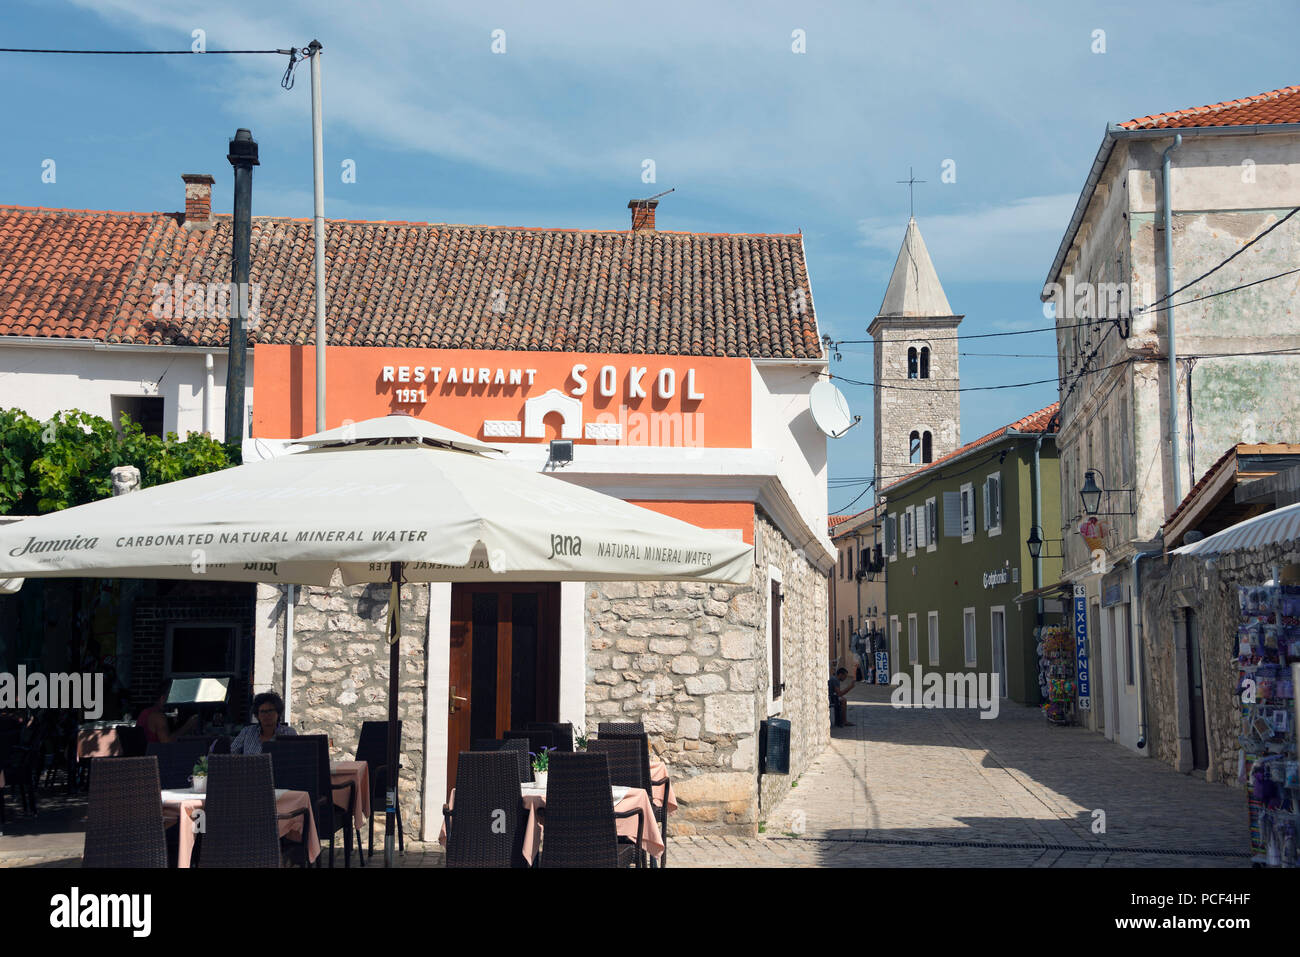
(267, 707)
(157, 729)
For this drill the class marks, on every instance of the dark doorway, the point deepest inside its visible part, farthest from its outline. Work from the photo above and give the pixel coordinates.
(504, 668)
(1196, 695)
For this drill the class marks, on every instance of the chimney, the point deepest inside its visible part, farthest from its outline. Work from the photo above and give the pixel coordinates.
(643, 214)
(198, 200)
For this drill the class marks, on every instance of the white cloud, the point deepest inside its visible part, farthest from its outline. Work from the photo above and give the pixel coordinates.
(1006, 242)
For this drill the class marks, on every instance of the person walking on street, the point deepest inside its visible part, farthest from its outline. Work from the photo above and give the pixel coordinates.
(840, 685)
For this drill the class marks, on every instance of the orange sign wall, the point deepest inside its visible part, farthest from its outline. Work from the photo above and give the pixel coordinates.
(505, 397)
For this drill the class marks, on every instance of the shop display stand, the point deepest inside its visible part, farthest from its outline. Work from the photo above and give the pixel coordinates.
(1056, 673)
(1268, 641)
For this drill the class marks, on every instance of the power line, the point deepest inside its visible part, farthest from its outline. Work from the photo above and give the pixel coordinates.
(840, 511)
(1225, 262)
(138, 52)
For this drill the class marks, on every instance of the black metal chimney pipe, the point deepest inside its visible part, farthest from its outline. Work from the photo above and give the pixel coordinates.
(243, 157)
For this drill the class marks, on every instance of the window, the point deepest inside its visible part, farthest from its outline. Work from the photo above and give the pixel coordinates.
(145, 411)
(927, 447)
(931, 524)
(909, 530)
(914, 448)
(849, 553)
(913, 652)
(968, 636)
(891, 536)
(993, 504)
(968, 512)
(207, 650)
(934, 637)
(925, 362)
(912, 363)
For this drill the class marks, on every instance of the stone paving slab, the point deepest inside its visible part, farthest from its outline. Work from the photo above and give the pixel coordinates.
(940, 788)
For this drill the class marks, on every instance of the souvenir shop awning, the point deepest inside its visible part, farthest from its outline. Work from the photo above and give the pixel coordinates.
(1278, 527)
(1058, 590)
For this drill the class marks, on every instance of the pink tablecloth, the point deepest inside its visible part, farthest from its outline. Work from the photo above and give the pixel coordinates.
(659, 771)
(98, 743)
(652, 841)
(286, 803)
(357, 772)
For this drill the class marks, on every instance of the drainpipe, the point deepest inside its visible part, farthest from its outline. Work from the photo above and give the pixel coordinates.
(1169, 316)
(290, 597)
(207, 394)
(1135, 614)
(1036, 481)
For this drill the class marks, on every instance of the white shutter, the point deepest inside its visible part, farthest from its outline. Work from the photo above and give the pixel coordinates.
(932, 522)
(952, 514)
(922, 527)
(996, 496)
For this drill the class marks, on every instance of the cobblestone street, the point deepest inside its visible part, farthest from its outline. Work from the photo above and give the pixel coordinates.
(936, 788)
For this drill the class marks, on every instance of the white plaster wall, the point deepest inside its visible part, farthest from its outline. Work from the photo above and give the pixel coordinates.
(43, 380)
(783, 424)
(1214, 181)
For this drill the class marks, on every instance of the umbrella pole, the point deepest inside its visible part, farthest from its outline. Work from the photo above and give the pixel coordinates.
(391, 774)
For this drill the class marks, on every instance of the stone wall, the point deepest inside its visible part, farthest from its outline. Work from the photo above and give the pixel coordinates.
(340, 674)
(1210, 590)
(690, 661)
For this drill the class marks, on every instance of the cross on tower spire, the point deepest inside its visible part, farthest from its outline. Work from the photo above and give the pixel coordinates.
(909, 183)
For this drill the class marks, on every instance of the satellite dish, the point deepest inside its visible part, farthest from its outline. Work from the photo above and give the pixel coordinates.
(830, 410)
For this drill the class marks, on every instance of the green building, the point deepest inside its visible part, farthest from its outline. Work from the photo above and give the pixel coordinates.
(956, 557)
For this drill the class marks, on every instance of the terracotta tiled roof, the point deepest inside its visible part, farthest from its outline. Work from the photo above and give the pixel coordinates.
(1234, 451)
(1263, 109)
(86, 274)
(1040, 421)
(834, 520)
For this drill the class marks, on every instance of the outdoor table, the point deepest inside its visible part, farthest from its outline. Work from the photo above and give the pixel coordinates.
(357, 772)
(659, 771)
(181, 805)
(98, 743)
(533, 799)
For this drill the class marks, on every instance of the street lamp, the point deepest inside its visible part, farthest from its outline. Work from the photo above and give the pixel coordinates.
(1035, 542)
(1091, 494)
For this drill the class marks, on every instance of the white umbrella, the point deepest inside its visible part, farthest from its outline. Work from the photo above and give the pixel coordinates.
(392, 499)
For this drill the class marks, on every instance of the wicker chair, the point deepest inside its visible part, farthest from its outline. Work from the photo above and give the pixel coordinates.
(625, 731)
(302, 763)
(176, 760)
(124, 826)
(486, 785)
(516, 746)
(619, 729)
(539, 739)
(241, 819)
(561, 732)
(581, 829)
(133, 739)
(372, 747)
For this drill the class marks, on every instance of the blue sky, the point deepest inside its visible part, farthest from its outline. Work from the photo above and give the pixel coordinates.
(755, 137)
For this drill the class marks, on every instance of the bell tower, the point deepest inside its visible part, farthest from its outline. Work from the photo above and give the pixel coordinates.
(918, 407)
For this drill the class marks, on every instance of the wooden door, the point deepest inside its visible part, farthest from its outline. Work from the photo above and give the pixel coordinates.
(1196, 695)
(504, 668)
